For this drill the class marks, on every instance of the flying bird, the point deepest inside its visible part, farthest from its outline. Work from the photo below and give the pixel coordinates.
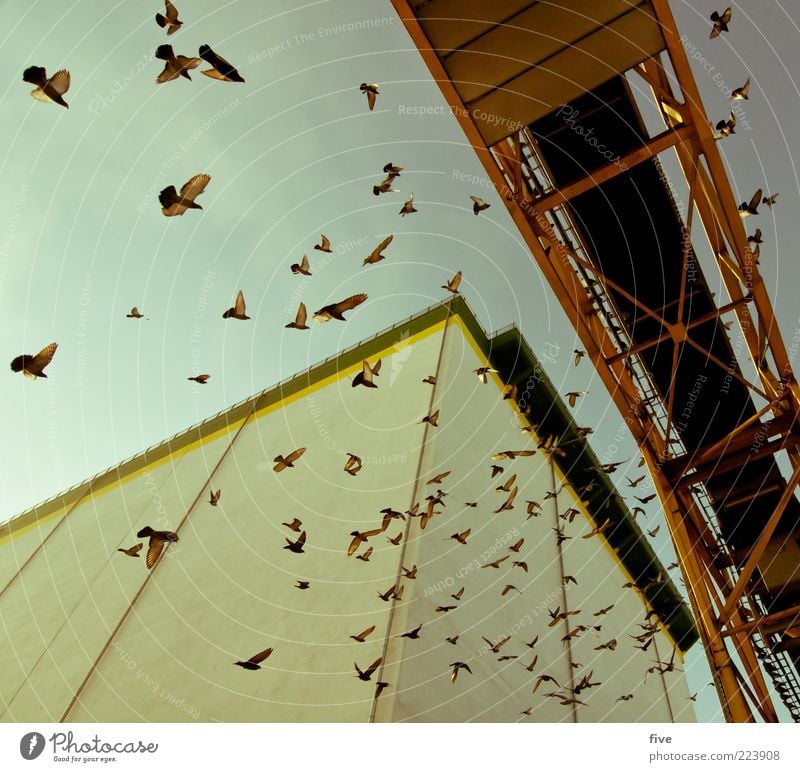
(395, 539)
(365, 556)
(456, 667)
(324, 244)
(360, 538)
(496, 563)
(282, 462)
(214, 497)
(169, 19)
(743, 92)
(462, 537)
(300, 318)
(385, 186)
(572, 396)
(520, 564)
(409, 573)
(371, 90)
(377, 254)
(301, 267)
(202, 379)
(458, 595)
(579, 354)
(254, 663)
(495, 647)
(517, 546)
(176, 66)
(430, 380)
(438, 478)
(366, 675)
(452, 285)
(478, 204)
(770, 200)
(509, 502)
(413, 634)
(432, 418)
(174, 204)
(512, 454)
(336, 310)
(221, 69)
(132, 552)
(444, 609)
(507, 485)
(654, 532)
(408, 207)
(238, 310)
(483, 373)
(32, 365)
(365, 376)
(646, 499)
(508, 588)
(720, 22)
(452, 640)
(302, 584)
(747, 208)
(295, 525)
(134, 314)
(353, 465)
(726, 128)
(362, 636)
(156, 544)
(296, 546)
(603, 611)
(48, 89)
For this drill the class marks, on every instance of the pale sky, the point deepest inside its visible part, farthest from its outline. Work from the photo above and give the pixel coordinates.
(292, 153)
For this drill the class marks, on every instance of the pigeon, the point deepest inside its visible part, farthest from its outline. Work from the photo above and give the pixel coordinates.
(452, 285)
(302, 584)
(483, 373)
(157, 541)
(336, 310)
(365, 556)
(367, 373)
(362, 636)
(726, 128)
(770, 200)
(174, 204)
(756, 237)
(456, 667)
(175, 65)
(376, 255)
(282, 462)
(32, 366)
(134, 314)
(169, 19)
(238, 310)
(720, 22)
(324, 244)
(390, 168)
(360, 538)
(572, 396)
(301, 267)
(408, 207)
(353, 465)
(48, 89)
(201, 379)
(220, 68)
(214, 497)
(430, 380)
(439, 478)
(462, 537)
(366, 674)
(295, 525)
(299, 322)
(478, 204)
(432, 419)
(579, 354)
(743, 92)
(296, 546)
(747, 208)
(132, 552)
(371, 90)
(384, 187)
(254, 663)
(413, 634)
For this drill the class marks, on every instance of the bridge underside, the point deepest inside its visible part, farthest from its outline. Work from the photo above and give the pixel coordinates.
(705, 384)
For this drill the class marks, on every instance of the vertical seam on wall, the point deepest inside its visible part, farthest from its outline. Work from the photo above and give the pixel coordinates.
(560, 551)
(46, 539)
(663, 680)
(398, 576)
(150, 573)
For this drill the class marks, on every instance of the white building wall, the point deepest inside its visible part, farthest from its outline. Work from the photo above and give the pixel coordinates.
(89, 634)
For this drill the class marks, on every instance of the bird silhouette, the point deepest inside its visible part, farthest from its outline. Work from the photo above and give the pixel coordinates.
(296, 546)
(157, 541)
(238, 310)
(720, 22)
(32, 365)
(287, 462)
(336, 310)
(169, 18)
(371, 92)
(48, 89)
(254, 663)
(221, 69)
(368, 372)
(363, 635)
(366, 674)
(174, 204)
(408, 207)
(478, 204)
(132, 552)
(176, 66)
(302, 267)
(299, 322)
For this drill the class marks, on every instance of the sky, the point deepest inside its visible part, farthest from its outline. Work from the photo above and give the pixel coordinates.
(292, 153)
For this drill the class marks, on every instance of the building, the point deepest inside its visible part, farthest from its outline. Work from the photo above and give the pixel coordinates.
(90, 634)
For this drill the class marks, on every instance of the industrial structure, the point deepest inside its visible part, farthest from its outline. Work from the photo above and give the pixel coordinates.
(474, 566)
(543, 94)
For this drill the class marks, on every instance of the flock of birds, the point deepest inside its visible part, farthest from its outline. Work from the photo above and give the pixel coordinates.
(177, 203)
(726, 127)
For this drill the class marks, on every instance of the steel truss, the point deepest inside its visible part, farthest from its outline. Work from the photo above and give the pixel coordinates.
(737, 633)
